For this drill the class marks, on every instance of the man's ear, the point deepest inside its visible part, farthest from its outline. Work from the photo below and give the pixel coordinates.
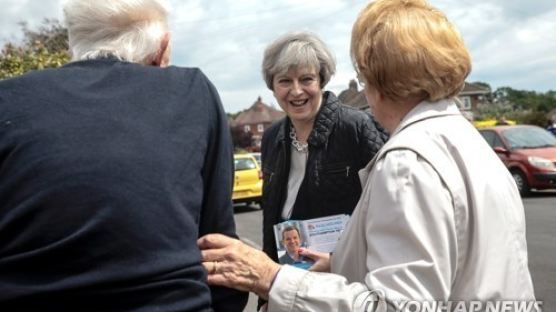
(162, 57)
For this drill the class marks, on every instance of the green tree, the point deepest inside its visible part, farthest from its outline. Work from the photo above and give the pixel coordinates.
(46, 47)
(527, 100)
(526, 107)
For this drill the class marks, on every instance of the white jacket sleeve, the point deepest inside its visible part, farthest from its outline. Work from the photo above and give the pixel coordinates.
(410, 241)
(299, 290)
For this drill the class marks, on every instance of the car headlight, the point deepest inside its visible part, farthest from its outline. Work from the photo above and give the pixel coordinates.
(541, 162)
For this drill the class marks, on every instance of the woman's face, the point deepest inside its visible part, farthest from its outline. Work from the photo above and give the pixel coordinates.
(298, 93)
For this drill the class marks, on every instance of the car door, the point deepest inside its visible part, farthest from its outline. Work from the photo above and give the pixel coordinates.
(246, 174)
(493, 139)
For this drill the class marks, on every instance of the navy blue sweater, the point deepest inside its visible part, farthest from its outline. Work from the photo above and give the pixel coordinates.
(109, 172)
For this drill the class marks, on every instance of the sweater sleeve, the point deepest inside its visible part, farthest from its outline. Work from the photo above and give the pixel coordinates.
(217, 213)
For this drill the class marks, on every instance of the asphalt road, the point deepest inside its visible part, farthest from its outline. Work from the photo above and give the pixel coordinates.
(540, 213)
(249, 226)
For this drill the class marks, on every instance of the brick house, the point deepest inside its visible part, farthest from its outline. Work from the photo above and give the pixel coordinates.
(256, 119)
(470, 97)
(352, 96)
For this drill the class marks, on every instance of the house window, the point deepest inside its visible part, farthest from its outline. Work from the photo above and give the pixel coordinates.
(466, 101)
(260, 127)
(247, 128)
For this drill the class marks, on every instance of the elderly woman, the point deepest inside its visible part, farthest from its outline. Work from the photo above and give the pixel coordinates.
(312, 156)
(429, 228)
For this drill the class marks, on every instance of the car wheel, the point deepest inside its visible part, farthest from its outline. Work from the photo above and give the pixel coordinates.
(521, 182)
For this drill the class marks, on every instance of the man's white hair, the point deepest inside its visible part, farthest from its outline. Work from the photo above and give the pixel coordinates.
(130, 30)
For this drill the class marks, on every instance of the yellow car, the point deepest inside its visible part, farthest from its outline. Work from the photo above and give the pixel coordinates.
(480, 124)
(248, 183)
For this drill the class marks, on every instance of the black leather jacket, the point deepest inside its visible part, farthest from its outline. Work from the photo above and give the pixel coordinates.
(342, 142)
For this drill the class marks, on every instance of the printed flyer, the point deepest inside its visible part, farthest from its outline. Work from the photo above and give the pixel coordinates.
(320, 234)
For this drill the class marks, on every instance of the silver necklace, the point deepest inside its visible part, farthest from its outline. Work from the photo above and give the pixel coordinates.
(300, 147)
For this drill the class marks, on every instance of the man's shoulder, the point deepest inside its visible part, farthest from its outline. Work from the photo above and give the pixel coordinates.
(193, 72)
(174, 74)
(30, 75)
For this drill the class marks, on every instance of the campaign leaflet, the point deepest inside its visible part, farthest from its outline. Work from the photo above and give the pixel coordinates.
(319, 234)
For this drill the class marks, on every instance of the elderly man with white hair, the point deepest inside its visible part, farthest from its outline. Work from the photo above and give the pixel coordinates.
(111, 167)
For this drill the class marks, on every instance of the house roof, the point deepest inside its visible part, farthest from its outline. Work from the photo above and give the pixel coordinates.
(258, 113)
(350, 93)
(473, 89)
(355, 98)
(358, 101)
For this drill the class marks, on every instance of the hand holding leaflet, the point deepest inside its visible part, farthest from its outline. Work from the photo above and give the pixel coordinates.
(317, 235)
(321, 260)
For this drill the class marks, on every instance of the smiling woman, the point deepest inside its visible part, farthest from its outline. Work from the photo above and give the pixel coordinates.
(311, 157)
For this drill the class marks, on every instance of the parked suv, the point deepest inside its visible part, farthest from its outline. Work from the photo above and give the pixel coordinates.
(248, 183)
(529, 152)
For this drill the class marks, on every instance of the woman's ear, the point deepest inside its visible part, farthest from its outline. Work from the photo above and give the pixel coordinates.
(162, 57)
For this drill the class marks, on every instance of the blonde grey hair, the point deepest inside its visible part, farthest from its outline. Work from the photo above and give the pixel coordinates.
(130, 30)
(298, 49)
(430, 61)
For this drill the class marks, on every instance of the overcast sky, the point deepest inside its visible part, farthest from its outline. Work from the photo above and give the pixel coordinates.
(512, 42)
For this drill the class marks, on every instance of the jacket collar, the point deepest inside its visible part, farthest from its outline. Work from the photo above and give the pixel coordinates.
(426, 110)
(325, 119)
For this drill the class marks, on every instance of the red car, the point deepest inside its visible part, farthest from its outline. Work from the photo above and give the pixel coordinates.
(529, 152)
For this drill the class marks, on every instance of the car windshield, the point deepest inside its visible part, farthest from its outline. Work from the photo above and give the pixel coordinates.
(244, 164)
(528, 137)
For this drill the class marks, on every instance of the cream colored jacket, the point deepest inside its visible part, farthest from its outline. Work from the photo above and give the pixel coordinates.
(439, 219)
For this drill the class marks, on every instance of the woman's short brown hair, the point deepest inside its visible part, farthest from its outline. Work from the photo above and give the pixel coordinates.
(408, 49)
